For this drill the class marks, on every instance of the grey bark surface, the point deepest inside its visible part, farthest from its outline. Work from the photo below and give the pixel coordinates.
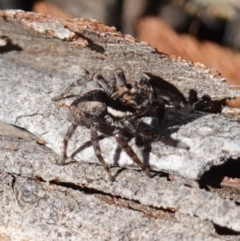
(40, 57)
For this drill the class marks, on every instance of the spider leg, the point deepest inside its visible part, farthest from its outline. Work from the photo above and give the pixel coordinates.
(97, 77)
(146, 148)
(68, 135)
(120, 77)
(123, 143)
(84, 146)
(70, 87)
(97, 150)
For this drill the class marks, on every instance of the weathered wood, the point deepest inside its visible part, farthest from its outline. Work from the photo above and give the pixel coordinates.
(40, 57)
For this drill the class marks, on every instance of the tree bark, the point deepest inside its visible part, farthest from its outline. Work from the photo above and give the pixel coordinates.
(40, 57)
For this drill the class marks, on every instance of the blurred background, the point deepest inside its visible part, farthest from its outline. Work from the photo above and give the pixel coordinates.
(206, 31)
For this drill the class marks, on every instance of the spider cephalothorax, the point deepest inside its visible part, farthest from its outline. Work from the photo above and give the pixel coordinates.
(120, 109)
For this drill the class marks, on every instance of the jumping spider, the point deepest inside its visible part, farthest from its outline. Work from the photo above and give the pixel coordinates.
(119, 109)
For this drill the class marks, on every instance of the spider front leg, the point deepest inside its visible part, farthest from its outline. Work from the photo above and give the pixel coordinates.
(97, 150)
(124, 144)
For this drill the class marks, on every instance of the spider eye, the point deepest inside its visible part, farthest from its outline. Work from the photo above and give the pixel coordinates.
(124, 101)
(144, 80)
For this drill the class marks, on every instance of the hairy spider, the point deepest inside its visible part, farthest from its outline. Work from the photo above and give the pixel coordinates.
(119, 109)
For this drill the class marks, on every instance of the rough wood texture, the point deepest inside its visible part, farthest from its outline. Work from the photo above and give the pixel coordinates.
(40, 57)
